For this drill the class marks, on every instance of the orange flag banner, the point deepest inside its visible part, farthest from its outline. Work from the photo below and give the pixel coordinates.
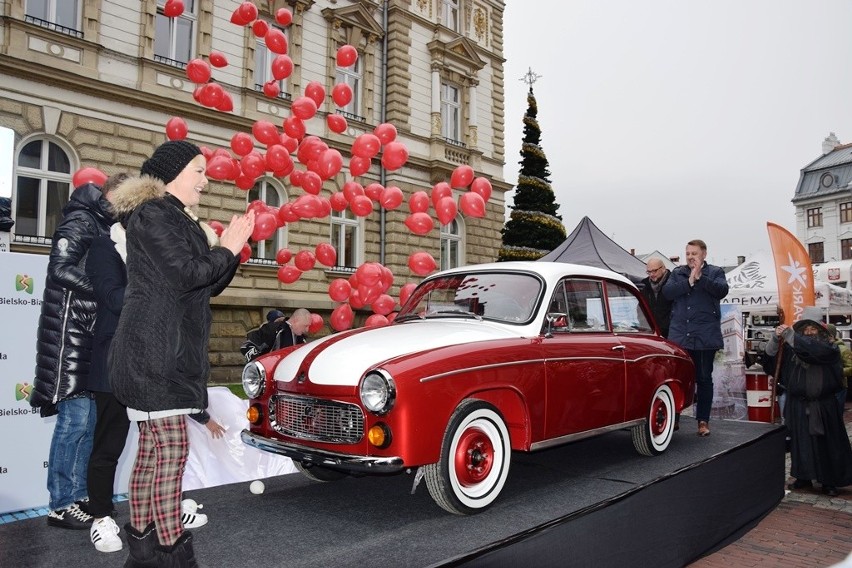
(793, 272)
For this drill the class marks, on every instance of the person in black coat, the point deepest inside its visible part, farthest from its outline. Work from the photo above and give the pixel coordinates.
(158, 363)
(652, 289)
(277, 333)
(63, 355)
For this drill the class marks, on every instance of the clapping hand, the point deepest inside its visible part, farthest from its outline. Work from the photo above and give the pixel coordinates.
(238, 232)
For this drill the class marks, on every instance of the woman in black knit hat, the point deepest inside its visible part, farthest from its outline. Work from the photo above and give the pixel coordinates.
(158, 364)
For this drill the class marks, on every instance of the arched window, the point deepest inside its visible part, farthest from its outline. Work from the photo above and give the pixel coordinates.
(452, 245)
(273, 196)
(42, 188)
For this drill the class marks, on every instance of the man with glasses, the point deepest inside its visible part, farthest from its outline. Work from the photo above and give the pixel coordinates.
(652, 289)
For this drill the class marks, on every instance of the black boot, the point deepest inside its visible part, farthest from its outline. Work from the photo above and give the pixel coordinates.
(178, 555)
(142, 546)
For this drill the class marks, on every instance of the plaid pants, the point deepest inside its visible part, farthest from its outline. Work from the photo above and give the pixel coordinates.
(155, 483)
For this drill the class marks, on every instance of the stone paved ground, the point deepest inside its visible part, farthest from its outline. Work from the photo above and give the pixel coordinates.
(806, 530)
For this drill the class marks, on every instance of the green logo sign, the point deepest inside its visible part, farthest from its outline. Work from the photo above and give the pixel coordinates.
(24, 283)
(23, 391)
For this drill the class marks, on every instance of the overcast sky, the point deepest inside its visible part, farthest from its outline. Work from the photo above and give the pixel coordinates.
(668, 120)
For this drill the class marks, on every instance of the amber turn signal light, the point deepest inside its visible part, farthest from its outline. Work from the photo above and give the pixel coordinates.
(379, 435)
(254, 414)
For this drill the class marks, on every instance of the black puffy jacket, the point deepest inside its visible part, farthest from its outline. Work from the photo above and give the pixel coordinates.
(68, 308)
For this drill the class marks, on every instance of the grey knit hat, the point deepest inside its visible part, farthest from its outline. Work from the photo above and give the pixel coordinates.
(169, 160)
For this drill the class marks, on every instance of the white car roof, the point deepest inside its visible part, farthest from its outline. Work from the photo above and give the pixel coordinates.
(550, 271)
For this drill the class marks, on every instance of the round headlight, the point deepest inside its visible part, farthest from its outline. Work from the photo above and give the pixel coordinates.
(378, 392)
(254, 379)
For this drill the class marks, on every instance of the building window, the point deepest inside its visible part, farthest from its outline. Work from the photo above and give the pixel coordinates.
(816, 252)
(263, 59)
(265, 191)
(345, 229)
(351, 76)
(174, 39)
(60, 15)
(815, 217)
(450, 14)
(450, 112)
(845, 249)
(846, 212)
(42, 188)
(451, 245)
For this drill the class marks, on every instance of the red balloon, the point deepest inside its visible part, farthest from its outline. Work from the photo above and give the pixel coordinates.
(366, 146)
(290, 143)
(359, 166)
(374, 191)
(265, 132)
(394, 155)
(361, 205)
(282, 67)
(461, 176)
(260, 28)
(341, 94)
(173, 8)
(369, 274)
(325, 207)
(355, 299)
(483, 187)
(376, 320)
(419, 223)
(238, 18)
(383, 305)
(245, 182)
(311, 182)
(307, 206)
(369, 294)
(386, 132)
(304, 260)
(227, 103)
(88, 175)
(248, 11)
(316, 323)
(352, 189)
(347, 55)
(446, 210)
(418, 202)
(387, 279)
(220, 168)
(272, 89)
(198, 71)
(284, 17)
(337, 123)
(277, 158)
(316, 92)
(338, 201)
(265, 225)
(211, 95)
(405, 292)
(304, 108)
(326, 254)
(391, 316)
(339, 289)
(218, 59)
(253, 164)
(310, 149)
(241, 143)
(341, 317)
(245, 253)
(421, 263)
(288, 274)
(329, 163)
(176, 128)
(283, 256)
(294, 128)
(391, 197)
(287, 215)
(439, 191)
(472, 204)
(276, 41)
(217, 227)
(207, 152)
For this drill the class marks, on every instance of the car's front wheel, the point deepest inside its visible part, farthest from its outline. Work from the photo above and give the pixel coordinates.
(319, 473)
(474, 463)
(654, 435)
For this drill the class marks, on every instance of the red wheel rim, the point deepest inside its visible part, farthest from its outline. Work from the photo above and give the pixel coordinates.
(474, 457)
(659, 417)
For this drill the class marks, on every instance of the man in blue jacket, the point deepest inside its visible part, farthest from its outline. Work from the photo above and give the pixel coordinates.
(695, 290)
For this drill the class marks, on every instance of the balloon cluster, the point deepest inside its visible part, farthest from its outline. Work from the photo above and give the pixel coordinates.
(307, 161)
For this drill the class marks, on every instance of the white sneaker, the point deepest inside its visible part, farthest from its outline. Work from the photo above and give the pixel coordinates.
(190, 518)
(104, 535)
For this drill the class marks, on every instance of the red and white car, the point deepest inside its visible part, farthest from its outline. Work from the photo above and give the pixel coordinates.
(481, 361)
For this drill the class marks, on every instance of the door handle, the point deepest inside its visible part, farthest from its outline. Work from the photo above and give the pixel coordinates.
(618, 348)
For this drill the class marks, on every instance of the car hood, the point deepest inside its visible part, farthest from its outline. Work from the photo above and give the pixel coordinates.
(343, 359)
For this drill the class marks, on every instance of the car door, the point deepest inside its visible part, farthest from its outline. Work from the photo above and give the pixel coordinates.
(584, 361)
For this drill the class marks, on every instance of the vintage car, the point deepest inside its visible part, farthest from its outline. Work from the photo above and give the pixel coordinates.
(480, 361)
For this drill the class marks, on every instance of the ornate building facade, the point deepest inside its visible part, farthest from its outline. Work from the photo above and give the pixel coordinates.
(92, 83)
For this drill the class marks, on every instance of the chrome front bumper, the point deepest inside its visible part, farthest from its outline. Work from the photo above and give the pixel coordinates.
(332, 460)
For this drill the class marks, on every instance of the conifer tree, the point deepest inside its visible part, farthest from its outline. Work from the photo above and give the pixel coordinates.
(534, 228)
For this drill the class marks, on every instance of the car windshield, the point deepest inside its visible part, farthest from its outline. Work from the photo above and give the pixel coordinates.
(501, 296)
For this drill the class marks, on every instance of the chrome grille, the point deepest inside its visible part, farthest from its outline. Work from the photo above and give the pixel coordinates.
(316, 419)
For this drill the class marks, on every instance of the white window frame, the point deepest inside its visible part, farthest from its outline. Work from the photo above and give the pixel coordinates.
(189, 17)
(263, 58)
(50, 6)
(340, 222)
(450, 11)
(451, 112)
(263, 189)
(45, 177)
(352, 76)
(452, 244)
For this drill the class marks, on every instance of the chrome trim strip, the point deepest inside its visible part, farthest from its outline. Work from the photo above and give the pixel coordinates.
(333, 460)
(481, 368)
(582, 435)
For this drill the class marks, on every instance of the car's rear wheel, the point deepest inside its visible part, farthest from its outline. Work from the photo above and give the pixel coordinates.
(319, 473)
(474, 463)
(654, 435)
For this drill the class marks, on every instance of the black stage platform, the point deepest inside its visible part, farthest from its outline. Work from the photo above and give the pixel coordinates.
(592, 503)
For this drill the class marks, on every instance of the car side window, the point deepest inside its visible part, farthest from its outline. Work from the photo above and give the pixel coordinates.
(585, 305)
(626, 310)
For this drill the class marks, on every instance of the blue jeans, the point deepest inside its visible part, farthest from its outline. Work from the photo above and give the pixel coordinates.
(703, 359)
(69, 451)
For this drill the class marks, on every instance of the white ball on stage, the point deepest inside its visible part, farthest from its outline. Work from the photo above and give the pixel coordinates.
(256, 487)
